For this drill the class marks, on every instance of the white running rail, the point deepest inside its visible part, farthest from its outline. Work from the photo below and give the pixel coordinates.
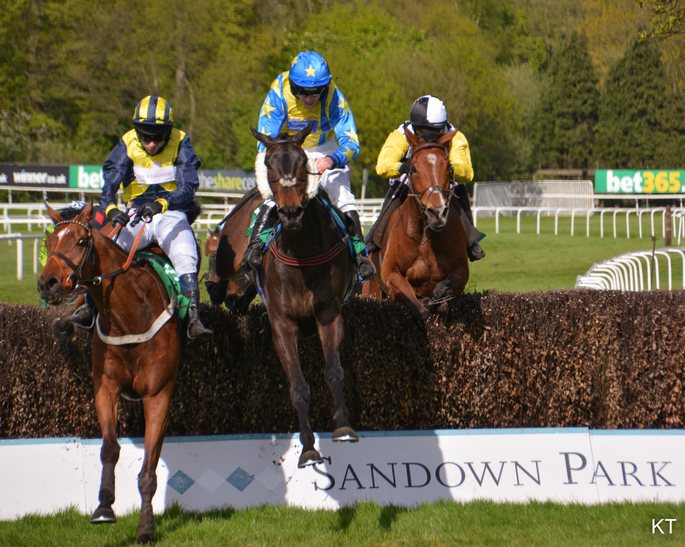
(637, 271)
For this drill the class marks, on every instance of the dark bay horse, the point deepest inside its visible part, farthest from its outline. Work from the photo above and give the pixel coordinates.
(307, 272)
(225, 247)
(423, 257)
(129, 358)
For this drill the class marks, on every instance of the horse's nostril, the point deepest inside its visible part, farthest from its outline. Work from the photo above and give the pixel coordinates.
(50, 283)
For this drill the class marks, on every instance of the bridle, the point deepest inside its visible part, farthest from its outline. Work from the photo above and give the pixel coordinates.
(446, 193)
(305, 198)
(75, 276)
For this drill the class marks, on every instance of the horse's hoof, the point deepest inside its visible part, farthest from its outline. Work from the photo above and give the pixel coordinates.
(103, 515)
(309, 457)
(345, 434)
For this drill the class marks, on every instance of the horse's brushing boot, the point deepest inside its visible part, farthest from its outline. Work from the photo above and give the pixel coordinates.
(82, 317)
(255, 247)
(365, 267)
(191, 289)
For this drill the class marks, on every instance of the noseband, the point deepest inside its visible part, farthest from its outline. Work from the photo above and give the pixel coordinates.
(434, 189)
(305, 197)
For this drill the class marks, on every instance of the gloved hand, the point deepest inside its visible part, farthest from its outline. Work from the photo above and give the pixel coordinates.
(146, 212)
(117, 216)
(405, 166)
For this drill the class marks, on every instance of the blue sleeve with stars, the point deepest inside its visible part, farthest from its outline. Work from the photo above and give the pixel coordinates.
(273, 112)
(342, 121)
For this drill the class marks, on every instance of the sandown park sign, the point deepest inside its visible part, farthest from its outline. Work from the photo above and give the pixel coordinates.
(645, 181)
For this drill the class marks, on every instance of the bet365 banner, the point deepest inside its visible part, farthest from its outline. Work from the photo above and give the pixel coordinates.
(649, 181)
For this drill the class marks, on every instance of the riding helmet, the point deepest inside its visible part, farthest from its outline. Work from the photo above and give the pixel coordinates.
(153, 116)
(428, 111)
(309, 70)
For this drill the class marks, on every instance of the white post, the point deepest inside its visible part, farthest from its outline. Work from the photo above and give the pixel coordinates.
(20, 259)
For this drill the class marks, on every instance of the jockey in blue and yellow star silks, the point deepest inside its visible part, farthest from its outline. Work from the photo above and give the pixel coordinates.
(304, 95)
(157, 166)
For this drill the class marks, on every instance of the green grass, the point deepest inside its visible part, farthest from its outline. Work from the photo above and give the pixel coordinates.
(440, 523)
(514, 262)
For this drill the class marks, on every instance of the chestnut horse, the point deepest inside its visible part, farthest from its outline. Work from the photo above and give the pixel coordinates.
(225, 247)
(307, 273)
(423, 258)
(137, 366)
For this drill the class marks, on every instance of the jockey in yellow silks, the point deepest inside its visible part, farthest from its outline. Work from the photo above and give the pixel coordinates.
(428, 119)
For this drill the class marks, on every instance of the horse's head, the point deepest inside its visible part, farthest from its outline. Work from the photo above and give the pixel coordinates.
(282, 175)
(430, 177)
(69, 248)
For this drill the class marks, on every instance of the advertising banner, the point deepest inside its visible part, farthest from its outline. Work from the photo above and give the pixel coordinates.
(648, 181)
(33, 175)
(400, 468)
(85, 177)
(226, 180)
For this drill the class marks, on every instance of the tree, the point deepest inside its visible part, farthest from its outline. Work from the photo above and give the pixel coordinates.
(667, 18)
(635, 112)
(569, 109)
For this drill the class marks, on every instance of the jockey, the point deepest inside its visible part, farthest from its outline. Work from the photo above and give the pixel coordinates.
(299, 96)
(157, 167)
(427, 119)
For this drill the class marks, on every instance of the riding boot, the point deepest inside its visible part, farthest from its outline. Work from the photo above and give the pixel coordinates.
(473, 235)
(365, 267)
(191, 290)
(266, 218)
(393, 198)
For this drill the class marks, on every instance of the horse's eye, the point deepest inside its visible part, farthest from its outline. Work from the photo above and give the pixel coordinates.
(82, 242)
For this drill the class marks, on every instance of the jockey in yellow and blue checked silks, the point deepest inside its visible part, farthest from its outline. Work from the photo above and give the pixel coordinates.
(157, 167)
(302, 96)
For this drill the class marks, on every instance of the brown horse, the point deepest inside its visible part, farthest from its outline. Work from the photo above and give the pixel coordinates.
(225, 247)
(423, 257)
(137, 366)
(307, 272)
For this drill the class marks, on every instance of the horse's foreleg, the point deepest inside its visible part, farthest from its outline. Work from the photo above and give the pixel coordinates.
(284, 335)
(106, 406)
(400, 289)
(331, 335)
(156, 417)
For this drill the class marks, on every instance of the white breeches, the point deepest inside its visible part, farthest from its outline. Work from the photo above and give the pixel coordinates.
(336, 181)
(172, 233)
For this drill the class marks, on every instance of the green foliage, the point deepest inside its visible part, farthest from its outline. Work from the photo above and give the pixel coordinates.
(635, 112)
(569, 109)
(72, 71)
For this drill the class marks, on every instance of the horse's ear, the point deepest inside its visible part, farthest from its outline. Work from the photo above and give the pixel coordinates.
(411, 137)
(87, 211)
(447, 137)
(301, 135)
(53, 214)
(261, 137)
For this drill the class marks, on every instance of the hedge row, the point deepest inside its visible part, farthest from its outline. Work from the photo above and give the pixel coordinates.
(556, 359)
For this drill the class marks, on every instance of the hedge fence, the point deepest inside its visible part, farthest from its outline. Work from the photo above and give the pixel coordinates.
(553, 359)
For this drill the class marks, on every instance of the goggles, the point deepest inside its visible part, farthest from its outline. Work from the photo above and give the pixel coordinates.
(297, 90)
(151, 137)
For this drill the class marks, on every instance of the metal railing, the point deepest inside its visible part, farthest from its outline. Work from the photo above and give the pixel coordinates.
(19, 239)
(677, 218)
(637, 271)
